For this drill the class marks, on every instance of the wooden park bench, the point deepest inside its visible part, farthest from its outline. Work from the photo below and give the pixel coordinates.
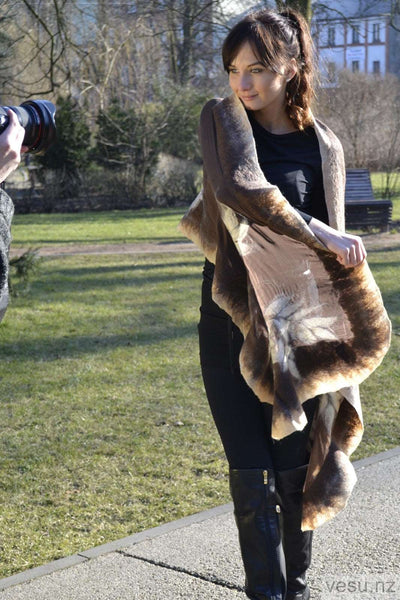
(363, 211)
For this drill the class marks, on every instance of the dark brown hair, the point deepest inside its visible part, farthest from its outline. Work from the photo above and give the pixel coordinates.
(276, 38)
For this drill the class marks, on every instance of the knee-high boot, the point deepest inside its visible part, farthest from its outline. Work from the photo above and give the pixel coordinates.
(296, 543)
(257, 519)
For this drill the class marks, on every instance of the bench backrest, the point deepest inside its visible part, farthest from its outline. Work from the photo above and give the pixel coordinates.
(358, 185)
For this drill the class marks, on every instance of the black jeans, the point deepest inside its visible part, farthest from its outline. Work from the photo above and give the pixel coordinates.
(243, 422)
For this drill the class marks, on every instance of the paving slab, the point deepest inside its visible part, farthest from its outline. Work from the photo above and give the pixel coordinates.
(210, 549)
(116, 577)
(356, 555)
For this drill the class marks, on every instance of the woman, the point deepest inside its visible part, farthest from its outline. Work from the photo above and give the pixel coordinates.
(262, 281)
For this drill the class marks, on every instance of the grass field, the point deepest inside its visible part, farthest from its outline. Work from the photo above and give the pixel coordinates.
(105, 430)
(112, 227)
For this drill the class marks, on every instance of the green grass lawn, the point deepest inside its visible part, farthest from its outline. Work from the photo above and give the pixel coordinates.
(112, 227)
(378, 184)
(381, 391)
(105, 429)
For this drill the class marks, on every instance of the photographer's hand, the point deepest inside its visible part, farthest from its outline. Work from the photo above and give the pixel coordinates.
(11, 146)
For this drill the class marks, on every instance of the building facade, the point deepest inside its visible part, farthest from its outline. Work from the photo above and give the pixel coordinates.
(356, 35)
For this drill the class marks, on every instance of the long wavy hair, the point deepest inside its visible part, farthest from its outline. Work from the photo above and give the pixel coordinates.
(276, 38)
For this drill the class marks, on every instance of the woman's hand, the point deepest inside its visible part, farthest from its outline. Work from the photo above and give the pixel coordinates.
(349, 249)
(10, 146)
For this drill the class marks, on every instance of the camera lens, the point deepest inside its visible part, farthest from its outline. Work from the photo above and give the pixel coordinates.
(37, 117)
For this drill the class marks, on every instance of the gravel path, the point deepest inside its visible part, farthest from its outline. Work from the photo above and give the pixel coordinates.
(372, 241)
(73, 249)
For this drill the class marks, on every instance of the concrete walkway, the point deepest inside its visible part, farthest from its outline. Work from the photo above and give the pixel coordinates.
(356, 556)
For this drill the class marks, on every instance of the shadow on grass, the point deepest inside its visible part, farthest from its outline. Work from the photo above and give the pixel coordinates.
(383, 250)
(133, 268)
(66, 285)
(381, 265)
(157, 213)
(48, 349)
(97, 311)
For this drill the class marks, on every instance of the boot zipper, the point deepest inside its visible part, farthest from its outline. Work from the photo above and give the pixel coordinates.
(265, 475)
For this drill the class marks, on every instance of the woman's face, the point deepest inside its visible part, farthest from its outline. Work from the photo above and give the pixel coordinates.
(257, 86)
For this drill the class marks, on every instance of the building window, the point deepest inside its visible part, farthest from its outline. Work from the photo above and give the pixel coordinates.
(355, 66)
(355, 34)
(376, 32)
(376, 67)
(331, 36)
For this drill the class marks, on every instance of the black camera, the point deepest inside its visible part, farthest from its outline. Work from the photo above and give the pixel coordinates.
(37, 117)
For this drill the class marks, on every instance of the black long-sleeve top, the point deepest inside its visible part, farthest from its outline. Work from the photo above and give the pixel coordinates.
(292, 161)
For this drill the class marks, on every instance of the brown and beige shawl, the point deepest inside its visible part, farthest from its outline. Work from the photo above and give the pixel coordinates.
(311, 326)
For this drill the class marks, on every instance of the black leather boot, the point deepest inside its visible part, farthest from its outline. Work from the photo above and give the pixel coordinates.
(257, 518)
(296, 543)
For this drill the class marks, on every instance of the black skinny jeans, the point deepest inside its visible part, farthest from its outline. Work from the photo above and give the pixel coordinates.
(243, 422)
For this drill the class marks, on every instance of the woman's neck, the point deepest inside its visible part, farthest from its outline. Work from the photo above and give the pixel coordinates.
(275, 122)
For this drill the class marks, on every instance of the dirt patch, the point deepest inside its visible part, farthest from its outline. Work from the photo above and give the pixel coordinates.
(372, 241)
(381, 241)
(73, 249)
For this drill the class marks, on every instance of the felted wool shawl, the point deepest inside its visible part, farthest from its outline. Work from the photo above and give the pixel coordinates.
(6, 213)
(310, 326)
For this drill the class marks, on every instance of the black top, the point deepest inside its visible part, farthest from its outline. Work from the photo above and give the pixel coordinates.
(292, 161)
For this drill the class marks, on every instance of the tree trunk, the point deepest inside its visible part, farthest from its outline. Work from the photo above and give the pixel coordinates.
(187, 42)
